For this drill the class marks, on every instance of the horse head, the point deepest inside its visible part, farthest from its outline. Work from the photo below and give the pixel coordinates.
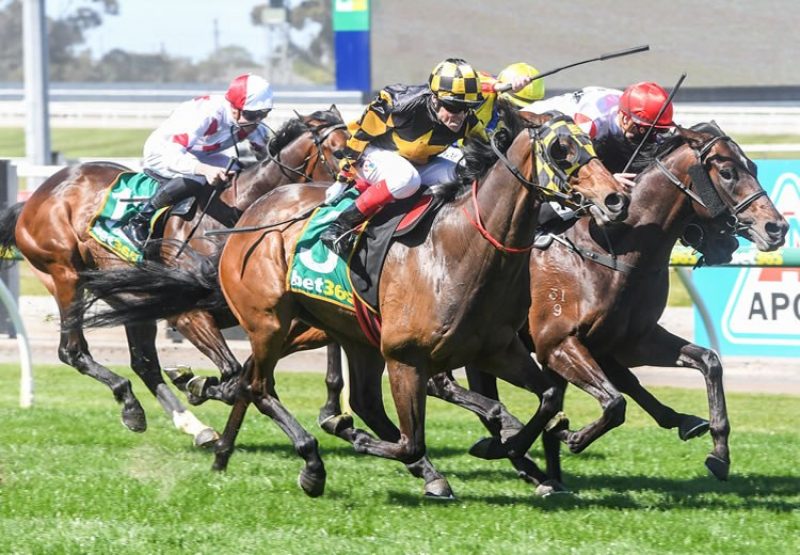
(568, 170)
(726, 189)
(305, 148)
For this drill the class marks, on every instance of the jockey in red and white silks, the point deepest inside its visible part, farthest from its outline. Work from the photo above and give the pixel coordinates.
(186, 152)
(199, 130)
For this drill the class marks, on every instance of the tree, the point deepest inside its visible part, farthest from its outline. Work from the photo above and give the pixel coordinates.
(64, 35)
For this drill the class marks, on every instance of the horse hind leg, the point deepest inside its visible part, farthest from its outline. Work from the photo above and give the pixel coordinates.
(144, 362)
(74, 351)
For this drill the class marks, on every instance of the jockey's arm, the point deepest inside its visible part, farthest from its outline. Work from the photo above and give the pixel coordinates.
(373, 123)
(179, 158)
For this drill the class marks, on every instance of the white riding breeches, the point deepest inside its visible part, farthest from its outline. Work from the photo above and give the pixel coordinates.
(403, 178)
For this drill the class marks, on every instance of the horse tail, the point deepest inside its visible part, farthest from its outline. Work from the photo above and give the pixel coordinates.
(147, 292)
(8, 224)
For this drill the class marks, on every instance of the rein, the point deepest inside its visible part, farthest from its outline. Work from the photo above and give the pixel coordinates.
(556, 175)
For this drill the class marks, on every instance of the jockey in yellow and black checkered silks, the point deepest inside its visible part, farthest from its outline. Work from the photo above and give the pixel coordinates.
(554, 161)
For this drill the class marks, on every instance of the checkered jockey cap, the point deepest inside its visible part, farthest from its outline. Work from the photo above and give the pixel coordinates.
(455, 80)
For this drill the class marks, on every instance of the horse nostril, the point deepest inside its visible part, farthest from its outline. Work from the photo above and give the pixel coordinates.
(615, 202)
(777, 230)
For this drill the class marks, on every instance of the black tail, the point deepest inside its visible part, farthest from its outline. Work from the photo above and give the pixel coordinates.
(8, 223)
(147, 292)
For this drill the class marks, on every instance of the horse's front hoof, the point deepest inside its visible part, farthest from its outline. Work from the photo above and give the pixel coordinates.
(489, 448)
(692, 427)
(206, 438)
(719, 468)
(133, 417)
(551, 487)
(439, 490)
(313, 483)
(336, 424)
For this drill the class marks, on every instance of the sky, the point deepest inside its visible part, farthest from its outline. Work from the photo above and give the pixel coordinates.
(180, 27)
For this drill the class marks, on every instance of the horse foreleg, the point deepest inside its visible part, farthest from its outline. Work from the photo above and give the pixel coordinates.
(493, 414)
(144, 361)
(573, 362)
(516, 366)
(662, 348)
(330, 416)
(689, 426)
(201, 330)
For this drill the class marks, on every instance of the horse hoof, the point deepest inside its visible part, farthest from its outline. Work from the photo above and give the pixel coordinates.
(558, 423)
(179, 376)
(692, 427)
(439, 490)
(489, 448)
(196, 386)
(206, 438)
(551, 487)
(337, 423)
(717, 467)
(313, 483)
(133, 417)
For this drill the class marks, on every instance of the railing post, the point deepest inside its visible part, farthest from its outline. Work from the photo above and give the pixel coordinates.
(9, 273)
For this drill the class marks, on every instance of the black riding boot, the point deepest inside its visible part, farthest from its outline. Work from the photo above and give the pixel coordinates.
(340, 235)
(172, 192)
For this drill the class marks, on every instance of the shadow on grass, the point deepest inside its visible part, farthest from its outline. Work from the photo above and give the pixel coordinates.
(771, 493)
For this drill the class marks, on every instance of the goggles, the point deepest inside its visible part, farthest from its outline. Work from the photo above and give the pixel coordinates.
(255, 115)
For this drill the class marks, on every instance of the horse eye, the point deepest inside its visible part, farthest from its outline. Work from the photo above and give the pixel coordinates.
(727, 174)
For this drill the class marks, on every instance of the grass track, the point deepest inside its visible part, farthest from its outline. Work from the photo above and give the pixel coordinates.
(72, 480)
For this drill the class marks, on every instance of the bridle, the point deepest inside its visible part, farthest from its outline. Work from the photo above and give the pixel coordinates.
(556, 177)
(716, 200)
(319, 135)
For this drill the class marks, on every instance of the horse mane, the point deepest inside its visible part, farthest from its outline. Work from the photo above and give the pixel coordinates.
(479, 155)
(296, 126)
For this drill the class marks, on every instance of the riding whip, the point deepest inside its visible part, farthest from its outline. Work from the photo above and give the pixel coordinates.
(211, 198)
(653, 124)
(609, 55)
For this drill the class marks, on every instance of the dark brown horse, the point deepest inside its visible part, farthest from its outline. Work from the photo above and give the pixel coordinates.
(50, 230)
(446, 298)
(597, 293)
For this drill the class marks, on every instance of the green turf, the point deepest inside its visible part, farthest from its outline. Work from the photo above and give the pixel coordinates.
(76, 143)
(72, 480)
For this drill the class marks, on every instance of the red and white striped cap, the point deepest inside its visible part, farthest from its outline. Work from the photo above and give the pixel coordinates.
(250, 93)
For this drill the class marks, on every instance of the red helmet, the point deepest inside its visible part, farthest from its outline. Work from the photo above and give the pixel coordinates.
(642, 102)
(250, 92)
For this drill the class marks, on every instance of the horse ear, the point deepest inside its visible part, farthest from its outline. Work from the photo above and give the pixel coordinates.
(336, 111)
(534, 119)
(693, 138)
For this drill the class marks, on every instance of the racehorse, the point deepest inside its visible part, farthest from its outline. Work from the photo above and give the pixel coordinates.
(444, 297)
(597, 293)
(50, 230)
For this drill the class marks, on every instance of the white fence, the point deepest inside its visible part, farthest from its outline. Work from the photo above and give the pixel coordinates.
(734, 119)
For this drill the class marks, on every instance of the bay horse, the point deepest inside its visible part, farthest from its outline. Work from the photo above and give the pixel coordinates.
(51, 231)
(448, 296)
(597, 293)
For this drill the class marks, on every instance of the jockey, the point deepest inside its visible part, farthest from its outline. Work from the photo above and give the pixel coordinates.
(404, 140)
(616, 121)
(523, 91)
(186, 151)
